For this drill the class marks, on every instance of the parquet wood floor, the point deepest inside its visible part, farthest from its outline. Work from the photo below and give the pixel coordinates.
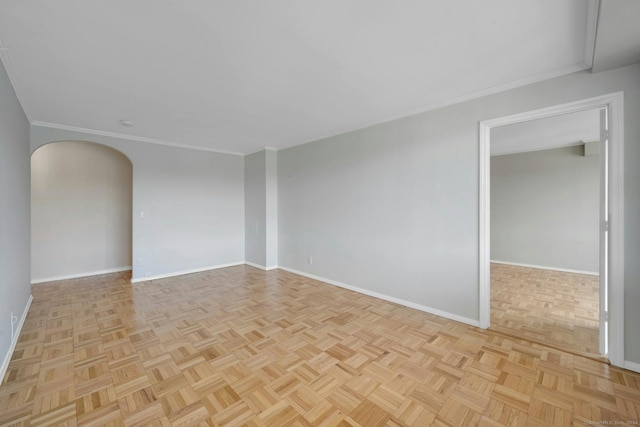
(240, 346)
(550, 307)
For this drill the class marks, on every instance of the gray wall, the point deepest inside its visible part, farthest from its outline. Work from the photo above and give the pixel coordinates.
(15, 287)
(261, 208)
(192, 201)
(394, 208)
(545, 209)
(255, 196)
(80, 210)
(271, 184)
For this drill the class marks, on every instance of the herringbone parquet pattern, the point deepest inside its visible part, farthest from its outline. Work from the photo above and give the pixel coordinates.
(239, 346)
(551, 307)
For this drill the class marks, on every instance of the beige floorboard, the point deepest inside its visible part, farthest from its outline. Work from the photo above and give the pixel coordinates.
(240, 346)
(552, 307)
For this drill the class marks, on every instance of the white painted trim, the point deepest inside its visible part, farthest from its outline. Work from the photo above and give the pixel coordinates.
(484, 226)
(542, 267)
(253, 264)
(14, 341)
(399, 301)
(183, 272)
(569, 69)
(616, 229)
(603, 205)
(78, 275)
(256, 151)
(5, 57)
(593, 10)
(261, 149)
(132, 138)
(614, 102)
(632, 366)
(261, 267)
(579, 141)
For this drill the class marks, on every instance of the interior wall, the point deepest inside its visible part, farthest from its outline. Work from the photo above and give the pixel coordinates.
(255, 208)
(15, 229)
(80, 210)
(545, 209)
(261, 208)
(188, 205)
(393, 208)
(403, 218)
(271, 169)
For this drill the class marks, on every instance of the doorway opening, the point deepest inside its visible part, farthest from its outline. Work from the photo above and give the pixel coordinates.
(81, 210)
(607, 308)
(545, 240)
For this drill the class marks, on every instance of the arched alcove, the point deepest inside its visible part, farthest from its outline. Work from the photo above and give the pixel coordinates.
(81, 210)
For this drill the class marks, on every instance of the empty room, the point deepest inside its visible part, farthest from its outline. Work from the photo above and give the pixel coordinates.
(320, 213)
(546, 233)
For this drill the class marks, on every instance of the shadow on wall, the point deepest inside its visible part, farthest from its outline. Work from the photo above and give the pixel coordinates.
(81, 210)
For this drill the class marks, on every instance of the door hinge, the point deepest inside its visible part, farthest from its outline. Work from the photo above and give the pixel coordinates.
(605, 316)
(605, 225)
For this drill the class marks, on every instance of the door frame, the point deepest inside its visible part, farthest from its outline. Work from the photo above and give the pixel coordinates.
(614, 103)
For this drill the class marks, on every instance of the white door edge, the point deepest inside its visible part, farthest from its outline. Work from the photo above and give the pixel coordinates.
(614, 103)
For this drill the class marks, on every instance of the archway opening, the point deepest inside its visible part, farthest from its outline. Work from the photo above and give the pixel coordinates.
(81, 211)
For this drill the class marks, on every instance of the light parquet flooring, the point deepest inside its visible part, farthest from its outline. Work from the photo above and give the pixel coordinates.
(551, 307)
(240, 346)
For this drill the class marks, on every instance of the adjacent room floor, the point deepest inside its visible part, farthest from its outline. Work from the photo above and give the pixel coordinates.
(551, 307)
(240, 346)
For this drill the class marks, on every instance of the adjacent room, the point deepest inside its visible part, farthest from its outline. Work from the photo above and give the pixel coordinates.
(545, 230)
(80, 211)
(327, 213)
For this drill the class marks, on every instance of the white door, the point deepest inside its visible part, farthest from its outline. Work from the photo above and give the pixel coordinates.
(604, 230)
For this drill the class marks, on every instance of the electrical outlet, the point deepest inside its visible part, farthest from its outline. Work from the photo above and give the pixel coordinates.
(138, 261)
(14, 320)
(310, 259)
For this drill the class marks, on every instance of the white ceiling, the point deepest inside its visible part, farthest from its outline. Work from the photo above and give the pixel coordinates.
(618, 42)
(543, 134)
(241, 75)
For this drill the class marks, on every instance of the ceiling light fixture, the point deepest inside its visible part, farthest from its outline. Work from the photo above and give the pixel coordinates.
(126, 122)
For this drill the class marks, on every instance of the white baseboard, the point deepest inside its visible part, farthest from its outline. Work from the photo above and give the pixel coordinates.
(542, 267)
(253, 264)
(261, 267)
(78, 275)
(14, 340)
(632, 366)
(399, 301)
(183, 272)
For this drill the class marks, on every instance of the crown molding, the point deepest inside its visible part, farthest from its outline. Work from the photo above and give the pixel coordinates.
(581, 66)
(593, 13)
(261, 149)
(586, 64)
(132, 138)
(5, 57)
(558, 72)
